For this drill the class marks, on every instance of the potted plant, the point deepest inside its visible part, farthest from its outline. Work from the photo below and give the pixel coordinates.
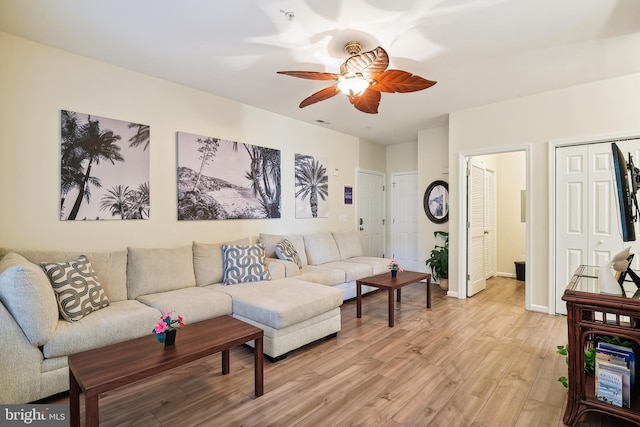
(167, 327)
(439, 260)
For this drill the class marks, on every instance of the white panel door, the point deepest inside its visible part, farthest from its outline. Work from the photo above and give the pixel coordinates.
(404, 227)
(371, 217)
(571, 215)
(587, 227)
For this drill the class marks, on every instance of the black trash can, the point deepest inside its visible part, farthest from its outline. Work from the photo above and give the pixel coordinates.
(520, 272)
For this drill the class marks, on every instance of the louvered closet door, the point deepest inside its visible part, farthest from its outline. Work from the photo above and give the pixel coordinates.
(481, 218)
(489, 223)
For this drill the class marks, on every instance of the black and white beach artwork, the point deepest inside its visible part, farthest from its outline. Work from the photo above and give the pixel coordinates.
(222, 179)
(312, 187)
(104, 168)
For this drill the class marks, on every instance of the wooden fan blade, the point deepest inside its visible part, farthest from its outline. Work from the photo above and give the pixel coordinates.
(321, 95)
(367, 102)
(370, 64)
(400, 81)
(310, 75)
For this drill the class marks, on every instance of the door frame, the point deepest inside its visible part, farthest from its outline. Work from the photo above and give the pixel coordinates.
(553, 144)
(463, 255)
(384, 202)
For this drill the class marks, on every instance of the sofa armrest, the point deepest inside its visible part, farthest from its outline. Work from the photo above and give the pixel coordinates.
(20, 364)
(289, 269)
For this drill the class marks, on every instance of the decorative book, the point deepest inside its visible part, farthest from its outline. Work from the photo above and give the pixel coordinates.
(613, 384)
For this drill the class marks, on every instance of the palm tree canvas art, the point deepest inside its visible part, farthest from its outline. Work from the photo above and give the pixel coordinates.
(312, 187)
(104, 169)
(222, 179)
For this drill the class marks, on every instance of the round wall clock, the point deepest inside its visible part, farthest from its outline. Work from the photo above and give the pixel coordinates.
(436, 202)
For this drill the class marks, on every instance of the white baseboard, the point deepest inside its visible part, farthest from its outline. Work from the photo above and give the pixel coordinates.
(503, 274)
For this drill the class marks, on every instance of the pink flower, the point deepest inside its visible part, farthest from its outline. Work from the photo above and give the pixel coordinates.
(160, 327)
(166, 323)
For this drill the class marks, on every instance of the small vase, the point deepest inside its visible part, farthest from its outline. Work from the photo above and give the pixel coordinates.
(170, 337)
(394, 273)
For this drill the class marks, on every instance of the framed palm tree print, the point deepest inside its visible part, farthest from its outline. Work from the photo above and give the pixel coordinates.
(312, 187)
(222, 179)
(104, 168)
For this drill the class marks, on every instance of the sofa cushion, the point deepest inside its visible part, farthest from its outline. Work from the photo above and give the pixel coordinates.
(150, 271)
(120, 321)
(290, 269)
(352, 270)
(278, 268)
(244, 263)
(270, 240)
(348, 243)
(77, 287)
(322, 275)
(321, 248)
(281, 303)
(193, 304)
(208, 265)
(378, 265)
(287, 252)
(27, 294)
(110, 266)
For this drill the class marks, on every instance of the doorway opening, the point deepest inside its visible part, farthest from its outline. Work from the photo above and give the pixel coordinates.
(494, 229)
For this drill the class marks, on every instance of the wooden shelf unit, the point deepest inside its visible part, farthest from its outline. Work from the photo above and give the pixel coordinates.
(591, 314)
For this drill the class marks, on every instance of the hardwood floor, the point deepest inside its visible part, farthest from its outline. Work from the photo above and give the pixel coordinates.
(483, 361)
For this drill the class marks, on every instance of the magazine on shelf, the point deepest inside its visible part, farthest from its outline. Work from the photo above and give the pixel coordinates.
(605, 372)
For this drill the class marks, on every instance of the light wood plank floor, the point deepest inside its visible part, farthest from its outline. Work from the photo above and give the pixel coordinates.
(484, 361)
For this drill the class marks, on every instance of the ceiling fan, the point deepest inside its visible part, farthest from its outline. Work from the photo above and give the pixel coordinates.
(362, 78)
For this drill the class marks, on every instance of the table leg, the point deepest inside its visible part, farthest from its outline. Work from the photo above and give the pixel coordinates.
(225, 362)
(358, 300)
(428, 293)
(92, 417)
(399, 295)
(259, 367)
(74, 401)
(391, 309)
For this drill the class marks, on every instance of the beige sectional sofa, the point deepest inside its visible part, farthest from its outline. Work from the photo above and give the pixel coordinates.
(331, 259)
(294, 306)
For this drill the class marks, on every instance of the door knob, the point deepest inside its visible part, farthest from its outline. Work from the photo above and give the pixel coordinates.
(361, 228)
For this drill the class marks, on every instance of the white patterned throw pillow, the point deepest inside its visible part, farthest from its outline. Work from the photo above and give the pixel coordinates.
(244, 263)
(287, 252)
(77, 288)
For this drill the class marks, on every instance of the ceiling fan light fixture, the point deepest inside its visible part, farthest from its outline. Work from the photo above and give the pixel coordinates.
(353, 84)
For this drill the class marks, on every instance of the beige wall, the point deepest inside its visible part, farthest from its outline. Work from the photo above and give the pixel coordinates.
(37, 81)
(510, 231)
(599, 108)
(372, 156)
(433, 149)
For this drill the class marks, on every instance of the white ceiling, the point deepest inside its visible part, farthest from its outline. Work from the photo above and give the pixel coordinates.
(479, 51)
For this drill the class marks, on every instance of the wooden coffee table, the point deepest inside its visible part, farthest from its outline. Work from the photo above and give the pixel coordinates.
(102, 369)
(385, 281)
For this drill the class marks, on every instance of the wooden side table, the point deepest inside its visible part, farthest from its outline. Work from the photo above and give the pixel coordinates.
(391, 284)
(591, 314)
